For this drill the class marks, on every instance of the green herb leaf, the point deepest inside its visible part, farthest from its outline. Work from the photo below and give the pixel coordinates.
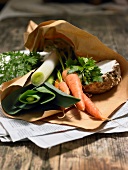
(71, 62)
(16, 63)
(86, 69)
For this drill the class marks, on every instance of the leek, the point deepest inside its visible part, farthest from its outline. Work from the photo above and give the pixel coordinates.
(45, 70)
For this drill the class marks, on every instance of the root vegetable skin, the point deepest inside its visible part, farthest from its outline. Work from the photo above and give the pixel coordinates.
(91, 108)
(64, 74)
(75, 86)
(111, 77)
(56, 84)
(63, 87)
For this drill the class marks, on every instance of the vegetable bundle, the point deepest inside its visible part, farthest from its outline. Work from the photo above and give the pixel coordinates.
(80, 70)
(77, 52)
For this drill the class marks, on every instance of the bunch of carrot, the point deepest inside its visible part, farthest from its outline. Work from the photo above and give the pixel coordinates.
(72, 83)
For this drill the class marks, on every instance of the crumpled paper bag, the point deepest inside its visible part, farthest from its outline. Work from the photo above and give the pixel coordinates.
(63, 34)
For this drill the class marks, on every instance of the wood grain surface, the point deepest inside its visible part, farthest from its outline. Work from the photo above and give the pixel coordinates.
(95, 152)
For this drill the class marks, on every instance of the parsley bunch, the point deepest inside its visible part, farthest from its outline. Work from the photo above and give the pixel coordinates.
(86, 69)
(16, 63)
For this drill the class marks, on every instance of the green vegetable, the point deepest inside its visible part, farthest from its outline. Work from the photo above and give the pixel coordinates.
(41, 98)
(45, 70)
(51, 78)
(16, 63)
(47, 95)
(29, 97)
(86, 69)
(62, 99)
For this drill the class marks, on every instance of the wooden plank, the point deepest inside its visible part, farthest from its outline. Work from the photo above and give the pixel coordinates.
(102, 151)
(119, 30)
(72, 155)
(16, 156)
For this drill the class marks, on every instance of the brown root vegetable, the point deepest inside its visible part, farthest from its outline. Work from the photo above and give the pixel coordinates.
(111, 77)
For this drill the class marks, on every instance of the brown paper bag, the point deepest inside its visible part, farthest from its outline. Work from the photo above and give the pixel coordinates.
(37, 38)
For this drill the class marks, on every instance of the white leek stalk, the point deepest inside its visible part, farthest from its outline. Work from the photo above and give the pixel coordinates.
(45, 70)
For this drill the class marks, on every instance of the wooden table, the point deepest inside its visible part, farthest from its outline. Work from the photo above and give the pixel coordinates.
(95, 152)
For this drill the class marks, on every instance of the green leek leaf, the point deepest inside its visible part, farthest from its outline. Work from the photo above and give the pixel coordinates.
(62, 99)
(47, 94)
(12, 106)
(29, 98)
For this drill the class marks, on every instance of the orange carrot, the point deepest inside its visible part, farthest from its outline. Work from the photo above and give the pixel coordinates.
(74, 84)
(63, 87)
(56, 84)
(64, 74)
(85, 103)
(91, 108)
